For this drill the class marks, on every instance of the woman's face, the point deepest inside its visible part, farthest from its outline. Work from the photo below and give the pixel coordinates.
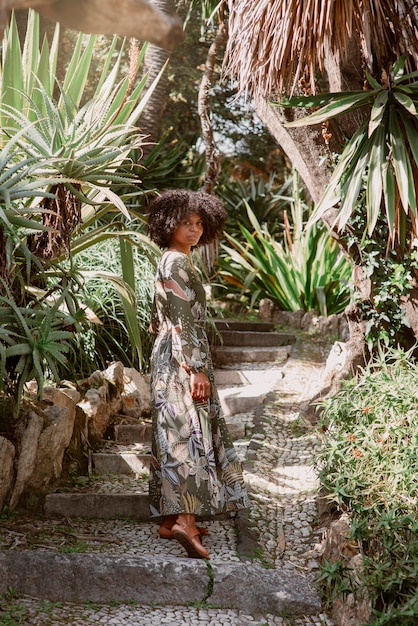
(187, 233)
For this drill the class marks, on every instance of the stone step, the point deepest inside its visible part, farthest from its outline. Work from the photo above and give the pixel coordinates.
(252, 338)
(134, 506)
(224, 356)
(116, 458)
(80, 578)
(105, 506)
(134, 459)
(239, 377)
(248, 326)
(135, 433)
(237, 400)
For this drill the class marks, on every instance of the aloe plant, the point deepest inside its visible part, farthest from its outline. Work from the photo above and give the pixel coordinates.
(62, 159)
(33, 340)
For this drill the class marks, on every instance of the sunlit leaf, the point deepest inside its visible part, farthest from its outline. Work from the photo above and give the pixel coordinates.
(374, 188)
(389, 194)
(401, 165)
(337, 107)
(405, 101)
(398, 68)
(378, 110)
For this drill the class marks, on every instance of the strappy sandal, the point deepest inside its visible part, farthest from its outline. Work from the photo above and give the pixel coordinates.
(189, 538)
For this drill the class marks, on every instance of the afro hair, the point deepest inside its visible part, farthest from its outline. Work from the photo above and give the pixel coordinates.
(172, 206)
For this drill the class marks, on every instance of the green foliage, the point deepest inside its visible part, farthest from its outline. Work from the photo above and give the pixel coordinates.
(105, 340)
(369, 467)
(392, 277)
(61, 182)
(382, 153)
(266, 198)
(303, 271)
(32, 343)
(85, 145)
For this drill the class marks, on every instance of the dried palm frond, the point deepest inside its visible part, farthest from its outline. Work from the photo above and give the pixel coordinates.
(61, 215)
(274, 43)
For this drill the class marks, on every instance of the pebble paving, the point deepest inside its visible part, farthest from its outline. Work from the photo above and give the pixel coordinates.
(279, 457)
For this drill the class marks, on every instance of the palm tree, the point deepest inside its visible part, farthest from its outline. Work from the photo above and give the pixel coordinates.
(155, 60)
(308, 50)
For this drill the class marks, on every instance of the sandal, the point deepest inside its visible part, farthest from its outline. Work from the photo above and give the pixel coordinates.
(189, 538)
(167, 533)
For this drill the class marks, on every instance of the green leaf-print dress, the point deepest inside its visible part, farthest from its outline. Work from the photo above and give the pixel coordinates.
(194, 466)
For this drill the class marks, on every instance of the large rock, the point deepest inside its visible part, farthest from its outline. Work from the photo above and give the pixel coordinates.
(102, 399)
(63, 397)
(28, 432)
(7, 457)
(115, 377)
(52, 444)
(136, 401)
(353, 608)
(309, 321)
(98, 412)
(43, 436)
(336, 360)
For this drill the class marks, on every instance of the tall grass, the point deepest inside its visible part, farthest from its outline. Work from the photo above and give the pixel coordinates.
(107, 337)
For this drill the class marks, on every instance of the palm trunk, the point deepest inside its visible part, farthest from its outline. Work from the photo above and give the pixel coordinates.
(155, 58)
(212, 154)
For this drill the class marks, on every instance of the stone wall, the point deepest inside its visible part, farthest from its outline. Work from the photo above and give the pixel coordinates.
(309, 321)
(66, 418)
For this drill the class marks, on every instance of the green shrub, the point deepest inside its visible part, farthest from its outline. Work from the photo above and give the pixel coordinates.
(305, 270)
(369, 467)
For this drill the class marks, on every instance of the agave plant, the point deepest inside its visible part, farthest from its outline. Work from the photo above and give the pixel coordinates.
(33, 340)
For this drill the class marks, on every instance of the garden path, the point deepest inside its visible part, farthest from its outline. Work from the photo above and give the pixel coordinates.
(263, 565)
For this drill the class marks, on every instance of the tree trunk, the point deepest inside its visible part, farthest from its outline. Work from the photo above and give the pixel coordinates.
(308, 148)
(212, 154)
(155, 58)
(303, 146)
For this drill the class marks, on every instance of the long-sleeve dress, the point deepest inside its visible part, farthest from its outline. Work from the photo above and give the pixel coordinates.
(194, 466)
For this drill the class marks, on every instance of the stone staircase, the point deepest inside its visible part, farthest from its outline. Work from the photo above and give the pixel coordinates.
(248, 358)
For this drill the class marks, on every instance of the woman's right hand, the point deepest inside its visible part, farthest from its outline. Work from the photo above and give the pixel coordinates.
(200, 386)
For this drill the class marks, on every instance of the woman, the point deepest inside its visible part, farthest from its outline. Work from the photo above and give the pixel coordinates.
(194, 467)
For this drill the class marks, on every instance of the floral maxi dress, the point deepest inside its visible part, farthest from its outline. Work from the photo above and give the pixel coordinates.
(194, 466)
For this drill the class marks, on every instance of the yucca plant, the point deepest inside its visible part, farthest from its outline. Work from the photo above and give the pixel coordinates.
(379, 164)
(305, 270)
